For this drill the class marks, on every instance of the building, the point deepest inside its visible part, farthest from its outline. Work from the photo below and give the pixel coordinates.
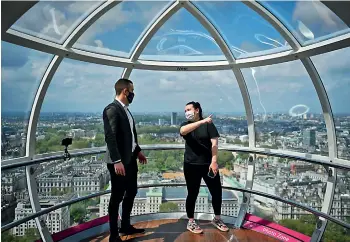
(173, 118)
(161, 122)
(149, 201)
(75, 176)
(309, 138)
(54, 184)
(244, 138)
(56, 221)
(76, 133)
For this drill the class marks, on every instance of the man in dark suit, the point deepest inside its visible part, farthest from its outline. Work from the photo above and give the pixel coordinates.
(122, 152)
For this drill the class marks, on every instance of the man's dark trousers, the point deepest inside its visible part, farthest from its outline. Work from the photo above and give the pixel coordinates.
(124, 188)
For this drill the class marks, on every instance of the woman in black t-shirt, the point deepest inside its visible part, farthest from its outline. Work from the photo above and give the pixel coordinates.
(200, 161)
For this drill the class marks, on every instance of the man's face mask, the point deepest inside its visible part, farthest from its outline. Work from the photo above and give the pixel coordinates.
(130, 97)
(189, 115)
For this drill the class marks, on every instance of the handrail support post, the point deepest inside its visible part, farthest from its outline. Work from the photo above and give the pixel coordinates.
(246, 196)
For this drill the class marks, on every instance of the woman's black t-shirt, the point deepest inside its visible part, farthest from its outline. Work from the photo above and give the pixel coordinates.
(198, 144)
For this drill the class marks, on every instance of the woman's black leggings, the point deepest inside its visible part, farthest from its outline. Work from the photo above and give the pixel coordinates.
(193, 176)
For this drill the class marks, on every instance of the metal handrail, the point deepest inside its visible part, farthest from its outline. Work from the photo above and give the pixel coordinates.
(94, 151)
(67, 203)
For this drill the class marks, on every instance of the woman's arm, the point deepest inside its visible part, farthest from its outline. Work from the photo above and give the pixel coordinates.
(190, 127)
(214, 158)
(214, 149)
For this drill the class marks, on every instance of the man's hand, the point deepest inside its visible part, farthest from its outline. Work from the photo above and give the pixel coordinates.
(208, 119)
(119, 169)
(142, 158)
(214, 166)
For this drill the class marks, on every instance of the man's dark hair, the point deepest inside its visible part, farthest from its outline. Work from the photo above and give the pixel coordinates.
(121, 84)
(197, 105)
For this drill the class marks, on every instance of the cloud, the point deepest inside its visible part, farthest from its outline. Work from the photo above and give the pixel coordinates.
(334, 70)
(19, 82)
(13, 56)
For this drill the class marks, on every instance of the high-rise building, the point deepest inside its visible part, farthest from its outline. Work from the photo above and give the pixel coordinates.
(161, 122)
(309, 138)
(173, 118)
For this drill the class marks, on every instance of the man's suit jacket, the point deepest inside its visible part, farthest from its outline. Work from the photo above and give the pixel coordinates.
(118, 135)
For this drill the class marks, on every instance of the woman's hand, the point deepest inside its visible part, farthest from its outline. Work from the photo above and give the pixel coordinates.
(214, 166)
(207, 120)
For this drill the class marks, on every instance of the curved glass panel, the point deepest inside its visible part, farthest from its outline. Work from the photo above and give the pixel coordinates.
(182, 38)
(54, 20)
(21, 73)
(25, 232)
(246, 32)
(14, 191)
(287, 110)
(59, 181)
(15, 205)
(158, 111)
(309, 21)
(117, 31)
(333, 68)
(292, 180)
(168, 92)
(73, 215)
(73, 106)
(340, 209)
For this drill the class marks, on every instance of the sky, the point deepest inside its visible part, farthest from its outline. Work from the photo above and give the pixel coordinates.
(87, 87)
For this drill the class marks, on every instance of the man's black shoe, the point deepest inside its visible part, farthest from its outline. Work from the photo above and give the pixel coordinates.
(129, 230)
(118, 239)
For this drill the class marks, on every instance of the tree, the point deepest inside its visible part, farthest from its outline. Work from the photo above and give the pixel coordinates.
(99, 140)
(306, 225)
(170, 163)
(281, 160)
(31, 234)
(78, 212)
(228, 166)
(243, 156)
(56, 192)
(224, 157)
(8, 237)
(237, 141)
(168, 207)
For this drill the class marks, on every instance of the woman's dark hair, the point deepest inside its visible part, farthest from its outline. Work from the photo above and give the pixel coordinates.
(197, 105)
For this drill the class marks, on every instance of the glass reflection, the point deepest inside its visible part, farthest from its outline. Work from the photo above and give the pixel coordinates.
(118, 36)
(54, 20)
(246, 33)
(287, 110)
(309, 21)
(182, 38)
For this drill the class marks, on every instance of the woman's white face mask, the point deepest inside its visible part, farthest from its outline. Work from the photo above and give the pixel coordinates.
(189, 115)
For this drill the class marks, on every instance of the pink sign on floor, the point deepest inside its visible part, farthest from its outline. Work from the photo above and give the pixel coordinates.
(268, 231)
(274, 230)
